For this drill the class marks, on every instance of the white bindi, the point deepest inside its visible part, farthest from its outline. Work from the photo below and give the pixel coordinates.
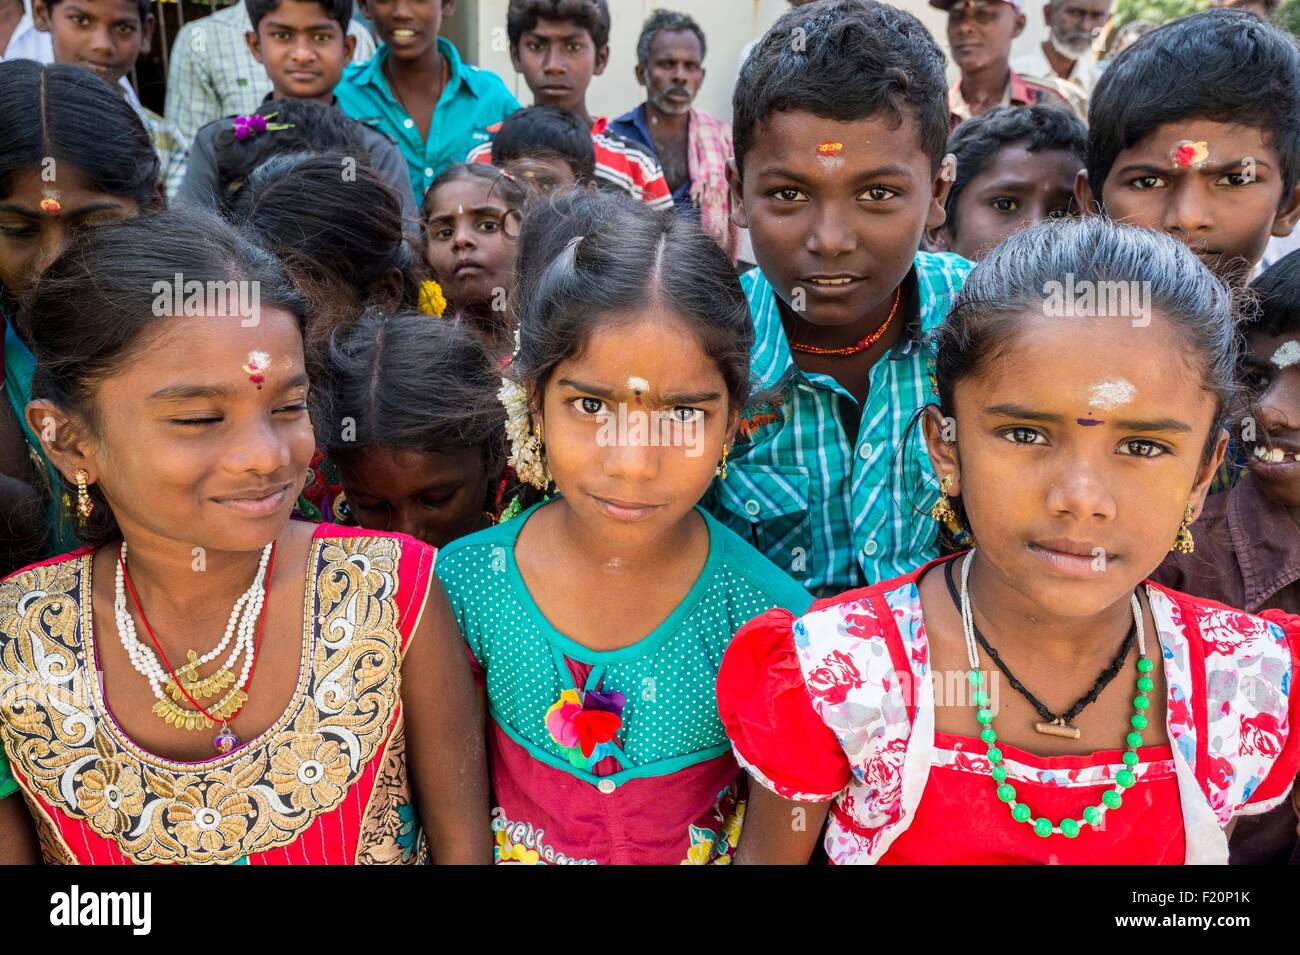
(1110, 394)
(639, 387)
(1287, 354)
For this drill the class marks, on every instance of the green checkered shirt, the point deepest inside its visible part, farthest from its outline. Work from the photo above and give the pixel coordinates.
(833, 512)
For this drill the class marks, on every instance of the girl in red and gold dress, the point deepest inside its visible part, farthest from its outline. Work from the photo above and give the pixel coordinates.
(171, 396)
(1036, 698)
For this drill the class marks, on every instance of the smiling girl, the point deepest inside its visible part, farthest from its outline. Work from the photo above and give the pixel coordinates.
(598, 618)
(1139, 721)
(142, 734)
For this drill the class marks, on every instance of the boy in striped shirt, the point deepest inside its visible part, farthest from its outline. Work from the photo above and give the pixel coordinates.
(558, 46)
(840, 131)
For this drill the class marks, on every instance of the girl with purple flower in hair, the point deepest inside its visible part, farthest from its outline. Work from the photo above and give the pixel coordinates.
(596, 619)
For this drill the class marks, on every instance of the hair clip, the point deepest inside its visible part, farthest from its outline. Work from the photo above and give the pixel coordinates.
(1188, 154)
(248, 126)
(51, 202)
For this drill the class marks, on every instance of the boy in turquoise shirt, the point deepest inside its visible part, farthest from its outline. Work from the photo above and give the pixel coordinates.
(840, 132)
(419, 91)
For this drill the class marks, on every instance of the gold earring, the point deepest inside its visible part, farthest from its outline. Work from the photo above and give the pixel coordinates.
(943, 511)
(1184, 542)
(85, 506)
(721, 470)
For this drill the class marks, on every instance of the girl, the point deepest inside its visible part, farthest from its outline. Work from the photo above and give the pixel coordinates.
(73, 155)
(339, 235)
(1075, 450)
(472, 214)
(597, 619)
(409, 414)
(153, 738)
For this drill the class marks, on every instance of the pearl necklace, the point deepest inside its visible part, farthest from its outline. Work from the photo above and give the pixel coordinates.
(241, 628)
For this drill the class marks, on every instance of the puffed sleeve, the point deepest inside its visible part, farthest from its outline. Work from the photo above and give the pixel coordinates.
(775, 733)
(1287, 765)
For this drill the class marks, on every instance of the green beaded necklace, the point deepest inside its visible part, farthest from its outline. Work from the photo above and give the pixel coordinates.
(1112, 798)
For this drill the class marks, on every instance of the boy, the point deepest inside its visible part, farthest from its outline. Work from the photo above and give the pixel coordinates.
(106, 37)
(558, 46)
(1248, 539)
(1016, 166)
(546, 148)
(1195, 131)
(304, 46)
(419, 91)
(840, 125)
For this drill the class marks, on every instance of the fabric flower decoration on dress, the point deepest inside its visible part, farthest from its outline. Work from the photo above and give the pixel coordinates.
(432, 300)
(582, 725)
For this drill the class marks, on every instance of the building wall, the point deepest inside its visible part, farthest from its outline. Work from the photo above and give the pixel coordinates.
(478, 29)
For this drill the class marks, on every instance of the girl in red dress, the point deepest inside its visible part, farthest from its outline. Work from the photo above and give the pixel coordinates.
(1036, 699)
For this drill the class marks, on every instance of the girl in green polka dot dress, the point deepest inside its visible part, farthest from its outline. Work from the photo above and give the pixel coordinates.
(597, 619)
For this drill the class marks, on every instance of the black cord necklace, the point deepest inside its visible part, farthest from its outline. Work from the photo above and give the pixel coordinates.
(1052, 724)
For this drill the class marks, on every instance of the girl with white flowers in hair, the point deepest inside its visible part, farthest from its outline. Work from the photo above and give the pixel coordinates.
(598, 616)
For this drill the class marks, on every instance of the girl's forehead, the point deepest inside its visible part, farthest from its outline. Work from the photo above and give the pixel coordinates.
(464, 193)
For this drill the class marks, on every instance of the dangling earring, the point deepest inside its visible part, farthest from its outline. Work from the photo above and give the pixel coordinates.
(721, 470)
(943, 510)
(85, 506)
(1184, 542)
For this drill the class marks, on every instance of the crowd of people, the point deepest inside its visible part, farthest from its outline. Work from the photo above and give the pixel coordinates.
(391, 473)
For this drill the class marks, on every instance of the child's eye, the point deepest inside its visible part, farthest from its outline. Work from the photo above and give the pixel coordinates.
(684, 415)
(292, 409)
(1141, 448)
(1255, 380)
(588, 406)
(1147, 182)
(323, 38)
(788, 195)
(194, 421)
(1024, 436)
(279, 35)
(1005, 204)
(878, 193)
(433, 502)
(489, 225)
(125, 28)
(443, 235)
(1234, 179)
(17, 232)
(1062, 212)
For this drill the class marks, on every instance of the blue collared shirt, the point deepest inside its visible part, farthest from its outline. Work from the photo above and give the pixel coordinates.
(833, 510)
(632, 125)
(473, 100)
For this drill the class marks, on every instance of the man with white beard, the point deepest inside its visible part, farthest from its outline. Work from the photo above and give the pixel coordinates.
(1067, 52)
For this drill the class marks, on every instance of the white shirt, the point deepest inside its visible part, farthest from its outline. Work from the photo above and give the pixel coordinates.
(27, 42)
(1035, 65)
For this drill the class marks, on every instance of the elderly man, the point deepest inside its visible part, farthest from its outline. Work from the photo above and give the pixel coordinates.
(1067, 52)
(691, 146)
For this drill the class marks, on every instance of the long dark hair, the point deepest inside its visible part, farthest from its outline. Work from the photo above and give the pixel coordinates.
(409, 382)
(93, 309)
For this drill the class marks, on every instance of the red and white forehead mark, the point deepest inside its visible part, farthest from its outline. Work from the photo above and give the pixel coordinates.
(255, 367)
(50, 203)
(1190, 154)
(1287, 354)
(639, 387)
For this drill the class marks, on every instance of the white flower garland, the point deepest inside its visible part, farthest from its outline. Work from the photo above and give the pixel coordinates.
(525, 447)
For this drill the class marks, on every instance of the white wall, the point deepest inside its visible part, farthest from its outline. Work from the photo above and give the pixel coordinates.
(478, 28)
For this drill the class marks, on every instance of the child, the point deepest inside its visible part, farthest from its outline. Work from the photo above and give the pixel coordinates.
(304, 46)
(186, 437)
(427, 447)
(341, 239)
(546, 148)
(558, 46)
(1183, 138)
(472, 215)
(104, 169)
(839, 169)
(107, 37)
(1076, 460)
(1016, 166)
(419, 91)
(1247, 541)
(597, 618)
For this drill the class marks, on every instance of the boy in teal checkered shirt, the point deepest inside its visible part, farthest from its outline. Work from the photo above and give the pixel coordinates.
(840, 128)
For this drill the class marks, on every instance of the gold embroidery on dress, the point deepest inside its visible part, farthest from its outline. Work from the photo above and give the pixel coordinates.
(257, 799)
